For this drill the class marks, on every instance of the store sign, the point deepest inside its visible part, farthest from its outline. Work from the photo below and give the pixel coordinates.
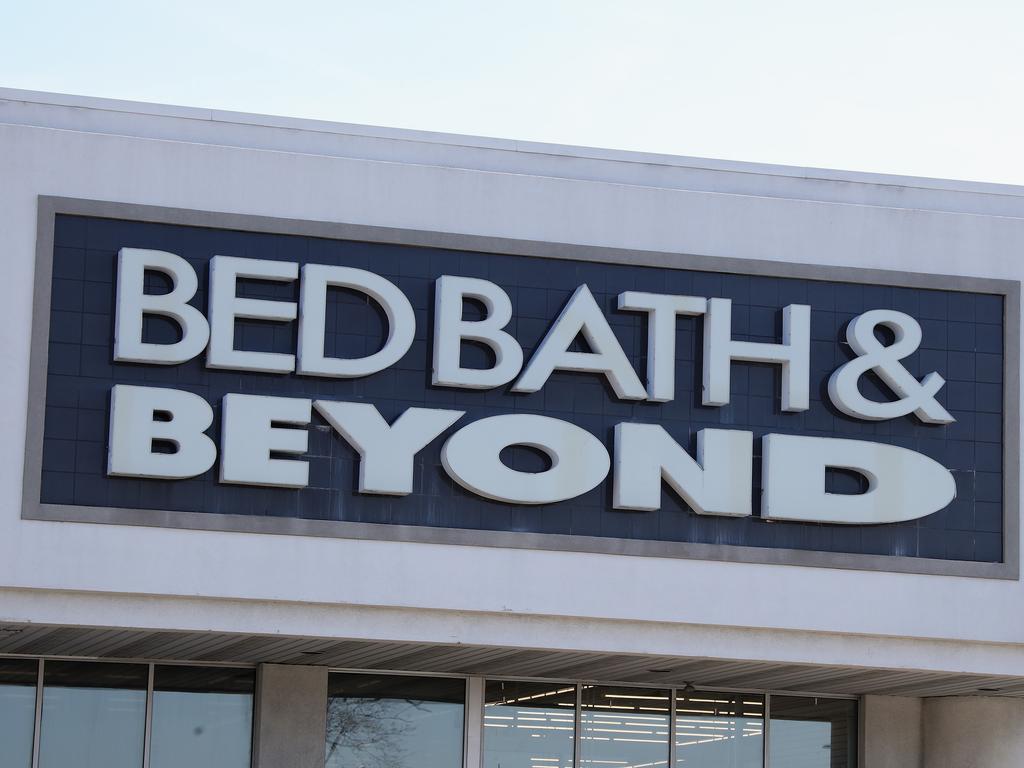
(259, 431)
(338, 379)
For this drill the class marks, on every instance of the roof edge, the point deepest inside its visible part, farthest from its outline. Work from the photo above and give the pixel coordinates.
(150, 109)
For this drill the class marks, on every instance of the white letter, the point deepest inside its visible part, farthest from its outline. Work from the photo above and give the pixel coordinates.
(917, 397)
(662, 311)
(249, 434)
(225, 306)
(134, 428)
(313, 318)
(133, 303)
(717, 483)
(450, 330)
(386, 452)
(902, 484)
(793, 354)
(582, 315)
(579, 462)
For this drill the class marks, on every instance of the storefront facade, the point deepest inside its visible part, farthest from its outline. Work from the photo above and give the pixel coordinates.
(353, 447)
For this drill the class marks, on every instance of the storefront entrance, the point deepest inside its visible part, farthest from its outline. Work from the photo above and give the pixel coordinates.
(55, 713)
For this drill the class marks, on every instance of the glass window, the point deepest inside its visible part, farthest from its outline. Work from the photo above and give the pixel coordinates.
(810, 732)
(529, 725)
(17, 711)
(202, 717)
(719, 730)
(94, 715)
(394, 721)
(624, 727)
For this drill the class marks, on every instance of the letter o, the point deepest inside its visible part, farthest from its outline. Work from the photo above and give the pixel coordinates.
(579, 461)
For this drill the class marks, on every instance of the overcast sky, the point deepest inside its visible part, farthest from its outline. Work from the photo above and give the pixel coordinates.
(916, 87)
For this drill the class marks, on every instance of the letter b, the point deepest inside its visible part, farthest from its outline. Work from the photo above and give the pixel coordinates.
(133, 304)
(450, 330)
(134, 427)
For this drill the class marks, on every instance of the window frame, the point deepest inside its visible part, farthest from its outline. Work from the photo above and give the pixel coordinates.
(150, 678)
(473, 710)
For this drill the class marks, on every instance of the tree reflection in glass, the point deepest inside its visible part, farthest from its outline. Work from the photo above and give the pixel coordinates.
(392, 721)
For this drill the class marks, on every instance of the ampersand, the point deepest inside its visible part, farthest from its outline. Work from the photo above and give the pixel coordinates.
(917, 397)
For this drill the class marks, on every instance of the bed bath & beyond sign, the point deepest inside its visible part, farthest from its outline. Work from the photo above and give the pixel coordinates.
(159, 432)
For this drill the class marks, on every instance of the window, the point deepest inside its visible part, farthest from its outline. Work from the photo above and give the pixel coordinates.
(123, 715)
(17, 711)
(624, 727)
(529, 725)
(812, 732)
(98, 715)
(719, 730)
(392, 721)
(94, 715)
(202, 717)
(533, 725)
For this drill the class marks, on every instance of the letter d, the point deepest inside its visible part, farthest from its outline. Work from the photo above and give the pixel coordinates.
(902, 484)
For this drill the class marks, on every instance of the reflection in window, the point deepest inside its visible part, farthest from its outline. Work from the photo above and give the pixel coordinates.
(392, 721)
(624, 727)
(811, 732)
(529, 725)
(17, 711)
(202, 717)
(719, 730)
(93, 715)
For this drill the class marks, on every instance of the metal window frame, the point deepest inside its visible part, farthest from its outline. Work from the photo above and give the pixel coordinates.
(37, 725)
(674, 692)
(475, 701)
(147, 738)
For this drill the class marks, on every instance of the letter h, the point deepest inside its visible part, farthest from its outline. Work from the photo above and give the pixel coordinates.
(793, 354)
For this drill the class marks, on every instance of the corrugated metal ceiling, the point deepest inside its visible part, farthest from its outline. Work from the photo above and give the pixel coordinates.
(213, 647)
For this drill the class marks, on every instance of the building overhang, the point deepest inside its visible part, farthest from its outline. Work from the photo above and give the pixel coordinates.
(119, 644)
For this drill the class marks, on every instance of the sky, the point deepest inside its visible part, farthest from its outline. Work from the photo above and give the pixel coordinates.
(911, 87)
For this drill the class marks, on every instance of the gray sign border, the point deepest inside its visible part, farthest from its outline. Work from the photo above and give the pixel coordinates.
(33, 509)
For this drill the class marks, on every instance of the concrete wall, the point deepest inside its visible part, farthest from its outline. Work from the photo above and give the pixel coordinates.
(150, 577)
(891, 732)
(951, 732)
(976, 732)
(291, 717)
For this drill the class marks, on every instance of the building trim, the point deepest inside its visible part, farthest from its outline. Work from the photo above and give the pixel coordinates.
(172, 112)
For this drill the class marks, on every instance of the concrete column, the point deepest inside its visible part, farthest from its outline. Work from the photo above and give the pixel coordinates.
(891, 735)
(291, 717)
(973, 732)
(474, 745)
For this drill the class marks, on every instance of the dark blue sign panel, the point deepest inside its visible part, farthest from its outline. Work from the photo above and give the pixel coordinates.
(962, 338)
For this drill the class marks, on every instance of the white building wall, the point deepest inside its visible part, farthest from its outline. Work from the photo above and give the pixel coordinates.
(973, 733)
(148, 577)
(950, 732)
(891, 730)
